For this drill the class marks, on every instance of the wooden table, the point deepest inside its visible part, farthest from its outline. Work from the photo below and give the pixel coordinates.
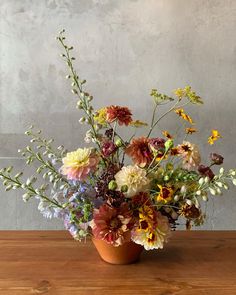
(51, 262)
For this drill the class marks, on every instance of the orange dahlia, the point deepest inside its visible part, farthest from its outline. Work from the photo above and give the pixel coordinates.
(122, 114)
(140, 152)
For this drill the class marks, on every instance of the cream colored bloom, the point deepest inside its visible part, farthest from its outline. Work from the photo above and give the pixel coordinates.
(78, 164)
(134, 178)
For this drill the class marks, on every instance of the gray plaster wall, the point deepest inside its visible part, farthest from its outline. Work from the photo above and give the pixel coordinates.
(124, 48)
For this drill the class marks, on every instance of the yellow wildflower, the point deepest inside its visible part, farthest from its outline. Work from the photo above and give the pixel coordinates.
(215, 135)
(190, 130)
(100, 116)
(179, 92)
(189, 94)
(184, 116)
(165, 194)
(167, 134)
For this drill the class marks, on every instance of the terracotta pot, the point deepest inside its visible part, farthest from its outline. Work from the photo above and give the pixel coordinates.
(127, 253)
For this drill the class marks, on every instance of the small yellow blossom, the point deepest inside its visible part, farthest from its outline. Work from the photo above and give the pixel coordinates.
(184, 116)
(189, 94)
(167, 134)
(215, 135)
(179, 92)
(100, 116)
(165, 194)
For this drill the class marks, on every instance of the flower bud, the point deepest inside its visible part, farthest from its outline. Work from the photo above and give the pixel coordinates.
(201, 181)
(189, 202)
(222, 170)
(118, 142)
(174, 215)
(26, 197)
(166, 178)
(112, 185)
(82, 120)
(124, 188)
(183, 189)
(169, 144)
(216, 159)
(226, 186)
(176, 198)
(205, 198)
(212, 191)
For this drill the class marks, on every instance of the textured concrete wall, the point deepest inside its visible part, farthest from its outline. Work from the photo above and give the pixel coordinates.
(126, 47)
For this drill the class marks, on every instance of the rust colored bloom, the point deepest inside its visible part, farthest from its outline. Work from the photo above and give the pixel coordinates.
(139, 151)
(110, 224)
(174, 151)
(141, 199)
(189, 211)
(190, 130)
(122, 114)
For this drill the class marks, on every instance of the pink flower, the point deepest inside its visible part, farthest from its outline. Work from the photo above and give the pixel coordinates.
(78, 164)
(111, 224)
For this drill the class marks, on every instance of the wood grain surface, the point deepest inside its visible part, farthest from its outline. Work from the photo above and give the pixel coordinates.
(51, 262)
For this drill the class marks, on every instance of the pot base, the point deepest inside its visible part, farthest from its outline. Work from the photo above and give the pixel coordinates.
(127, 253)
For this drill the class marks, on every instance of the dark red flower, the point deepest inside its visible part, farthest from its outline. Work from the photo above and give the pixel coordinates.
(108, 148)
(216, 159)
(157, 143)
(206, 171)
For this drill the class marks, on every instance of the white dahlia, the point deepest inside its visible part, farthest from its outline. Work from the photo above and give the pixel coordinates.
(134, 178)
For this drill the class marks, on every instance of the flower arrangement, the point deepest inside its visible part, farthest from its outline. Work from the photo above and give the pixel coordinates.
(117, 189)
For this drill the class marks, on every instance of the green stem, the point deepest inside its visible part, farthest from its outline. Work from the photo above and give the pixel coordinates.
(32, 190)
(166, 113)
